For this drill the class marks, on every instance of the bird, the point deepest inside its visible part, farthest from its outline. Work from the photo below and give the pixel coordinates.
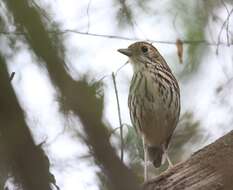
(153, 101)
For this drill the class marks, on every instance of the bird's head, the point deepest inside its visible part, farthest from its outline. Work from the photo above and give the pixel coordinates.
(141, 53)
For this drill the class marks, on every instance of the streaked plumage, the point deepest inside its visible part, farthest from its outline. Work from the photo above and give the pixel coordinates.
(154, 98)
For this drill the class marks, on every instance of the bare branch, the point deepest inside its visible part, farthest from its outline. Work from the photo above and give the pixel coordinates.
(117, 128)
(121, 68)
(227, 31)
(119, 116)
(227, 27)
(88, 15)
(192, 42)
(12, 76)
(187, 42)
(109, 75)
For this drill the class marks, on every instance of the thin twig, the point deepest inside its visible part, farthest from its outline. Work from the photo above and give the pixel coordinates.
(41, 10)
(227, 27)
(88, 15)
(195, 42)
(121, 68)
(115, 129)
(220, 33)
(116, 72)
(61, 32)
(222, 87)
(119, 116)
(12, 76)
(174, 23)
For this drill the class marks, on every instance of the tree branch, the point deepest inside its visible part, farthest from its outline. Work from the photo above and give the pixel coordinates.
(20, 156)
(119, 116)
(77, 97)
(66, 31)
(208, 168)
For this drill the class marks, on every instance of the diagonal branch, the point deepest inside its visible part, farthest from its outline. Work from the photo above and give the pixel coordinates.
(208, 169)
(19, 153)
(78, 97)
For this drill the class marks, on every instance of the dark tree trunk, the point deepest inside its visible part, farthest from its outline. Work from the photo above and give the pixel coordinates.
(210, 168)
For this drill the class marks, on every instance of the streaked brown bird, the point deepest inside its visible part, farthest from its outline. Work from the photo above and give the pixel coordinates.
(154, 100)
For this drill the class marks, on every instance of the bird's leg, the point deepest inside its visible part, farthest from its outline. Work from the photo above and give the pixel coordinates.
(145, 159)
(170, 165)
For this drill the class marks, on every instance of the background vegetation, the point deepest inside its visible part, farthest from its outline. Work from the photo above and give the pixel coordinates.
(59, 115)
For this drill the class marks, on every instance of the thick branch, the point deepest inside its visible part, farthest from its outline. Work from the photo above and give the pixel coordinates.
(19, 154)
(209, 168)
(76, 96)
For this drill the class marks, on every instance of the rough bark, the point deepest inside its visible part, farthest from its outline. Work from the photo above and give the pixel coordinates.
(210, 168)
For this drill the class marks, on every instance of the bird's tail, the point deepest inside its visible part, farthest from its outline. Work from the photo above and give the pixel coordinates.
(155, 155)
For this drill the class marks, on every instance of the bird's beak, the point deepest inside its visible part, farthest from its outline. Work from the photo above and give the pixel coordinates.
(126, 52)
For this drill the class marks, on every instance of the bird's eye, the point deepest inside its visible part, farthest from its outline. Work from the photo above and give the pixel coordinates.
(144, 49)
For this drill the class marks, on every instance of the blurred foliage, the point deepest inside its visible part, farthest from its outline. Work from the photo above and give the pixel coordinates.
(134, 150)
(39, 32)
(103, 181)
(193, 22)
(124, 13)
(194, 17)
(126, 10)
(187, 131)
